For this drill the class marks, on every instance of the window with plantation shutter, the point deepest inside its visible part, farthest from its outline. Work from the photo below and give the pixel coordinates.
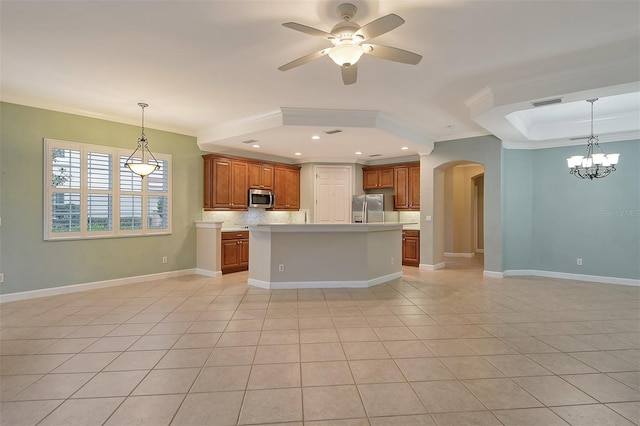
(91, 194)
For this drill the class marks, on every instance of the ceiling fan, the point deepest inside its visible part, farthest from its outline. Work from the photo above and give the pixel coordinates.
(349, 39)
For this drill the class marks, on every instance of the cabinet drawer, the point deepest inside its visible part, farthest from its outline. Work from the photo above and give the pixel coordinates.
(239, 235)
(410, 233)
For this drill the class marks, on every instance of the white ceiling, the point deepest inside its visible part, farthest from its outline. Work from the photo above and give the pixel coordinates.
(209, 69)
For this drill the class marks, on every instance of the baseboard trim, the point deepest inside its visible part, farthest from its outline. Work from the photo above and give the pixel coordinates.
(492, 274)
(568, 276)
(432, 267)
(208, 273)
(73, 288)
(459, 254)
(479, 250)
(323, 284)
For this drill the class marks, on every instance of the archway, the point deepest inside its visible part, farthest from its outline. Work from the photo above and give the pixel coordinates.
(484, 151)
(461, 197)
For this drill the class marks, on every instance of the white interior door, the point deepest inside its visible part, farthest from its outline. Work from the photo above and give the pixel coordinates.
(333, 194)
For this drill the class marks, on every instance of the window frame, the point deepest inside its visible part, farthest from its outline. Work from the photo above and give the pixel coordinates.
(115, 192)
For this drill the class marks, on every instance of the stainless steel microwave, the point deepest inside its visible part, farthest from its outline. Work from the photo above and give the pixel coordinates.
(261, 198)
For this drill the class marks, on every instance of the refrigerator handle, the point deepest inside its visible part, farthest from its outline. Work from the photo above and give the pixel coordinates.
(365, 219)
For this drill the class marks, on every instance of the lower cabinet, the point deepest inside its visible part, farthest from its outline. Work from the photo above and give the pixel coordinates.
(235, 251)
(411, 247)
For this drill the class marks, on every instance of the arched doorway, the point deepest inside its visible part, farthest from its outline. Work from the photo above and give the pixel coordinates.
(462, 197)
(485, 151)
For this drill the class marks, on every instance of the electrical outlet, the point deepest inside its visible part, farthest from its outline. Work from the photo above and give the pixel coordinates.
(393, 261)
(164, 259)
(281, 267)
(579, 261)
(1, 278)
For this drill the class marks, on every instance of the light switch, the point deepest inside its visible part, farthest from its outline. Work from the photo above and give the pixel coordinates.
(427, 218)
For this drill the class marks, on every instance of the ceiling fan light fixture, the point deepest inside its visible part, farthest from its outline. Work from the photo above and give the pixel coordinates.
(346, 55)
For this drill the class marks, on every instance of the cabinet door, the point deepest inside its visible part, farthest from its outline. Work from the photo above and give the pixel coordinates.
(414, 187)
(221, 185)
(280, 187)
(243, 248)
(385, 178)
(370, 179)
(411, 251)
(230, 256)
(255, 175)
(401, 200)
(208, 187)
(266, 174)
(287, 188)
(239, 184)
(293, 189)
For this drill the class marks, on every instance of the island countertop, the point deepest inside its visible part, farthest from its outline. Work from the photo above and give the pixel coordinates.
(328, 227)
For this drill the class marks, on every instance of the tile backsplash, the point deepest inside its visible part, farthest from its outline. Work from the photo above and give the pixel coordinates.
(233, 219)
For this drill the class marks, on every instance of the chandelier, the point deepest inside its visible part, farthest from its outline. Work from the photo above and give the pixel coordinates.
(592, 165)
(147, 164)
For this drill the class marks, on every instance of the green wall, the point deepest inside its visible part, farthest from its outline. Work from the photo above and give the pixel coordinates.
(552, 218)
(29, 262)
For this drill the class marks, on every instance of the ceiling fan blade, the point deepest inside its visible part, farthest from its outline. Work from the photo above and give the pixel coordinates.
(380, 26)
(392, 54)
(349, 74)
(309, 30)
(304, 59)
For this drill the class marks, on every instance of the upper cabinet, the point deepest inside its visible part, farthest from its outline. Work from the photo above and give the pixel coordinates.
(261, 175)
(286, 187)
(377, 178)
(403, 178)
(227, 181)
(407, 187)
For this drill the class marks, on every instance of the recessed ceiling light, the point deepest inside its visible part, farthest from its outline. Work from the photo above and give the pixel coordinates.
(297, 153)
(358, 153)
(315, 137)
(404, 148)
(255, 145)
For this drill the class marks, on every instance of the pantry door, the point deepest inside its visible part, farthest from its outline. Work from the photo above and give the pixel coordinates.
(333, 194)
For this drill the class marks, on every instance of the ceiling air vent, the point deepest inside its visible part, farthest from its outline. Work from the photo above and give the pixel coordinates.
(547, 102)
(375, 155)
(333, 132)
(249, 141)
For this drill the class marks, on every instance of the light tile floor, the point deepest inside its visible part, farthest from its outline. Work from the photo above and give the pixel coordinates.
(446, 347)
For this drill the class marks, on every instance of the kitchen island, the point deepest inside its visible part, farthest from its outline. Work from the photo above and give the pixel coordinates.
(286, 256)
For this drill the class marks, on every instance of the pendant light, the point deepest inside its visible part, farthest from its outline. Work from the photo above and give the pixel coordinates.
(148, 163)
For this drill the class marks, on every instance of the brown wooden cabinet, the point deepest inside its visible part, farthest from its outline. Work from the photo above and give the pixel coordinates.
(411, 247)
(228, 179)
(377, 178)
(235, 251)
(407, 187)
(261, 175)
(225, 183)
(286, 188)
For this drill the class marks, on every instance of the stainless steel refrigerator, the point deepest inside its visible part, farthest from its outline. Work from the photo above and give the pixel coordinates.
(370, 208)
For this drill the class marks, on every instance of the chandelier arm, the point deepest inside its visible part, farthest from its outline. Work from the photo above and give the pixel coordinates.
(133, 153)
